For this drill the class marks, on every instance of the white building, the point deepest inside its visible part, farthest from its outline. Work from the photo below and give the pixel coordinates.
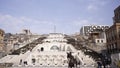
(101, 39)
(26, 32)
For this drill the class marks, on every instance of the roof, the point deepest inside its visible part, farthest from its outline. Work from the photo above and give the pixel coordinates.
(2, 30)
(117, 9)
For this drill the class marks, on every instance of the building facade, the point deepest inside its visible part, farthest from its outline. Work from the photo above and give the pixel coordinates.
(113, 33)
(113, 39)
(26, 32)
(87, 30)
(96, 34)
(2, 48)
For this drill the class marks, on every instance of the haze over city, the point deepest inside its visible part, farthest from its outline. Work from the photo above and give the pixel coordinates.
(40, 16)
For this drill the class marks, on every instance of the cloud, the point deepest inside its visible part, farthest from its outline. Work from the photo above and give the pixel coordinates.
(96, 4)
(83, 22)
(14, 24)
(92, 7)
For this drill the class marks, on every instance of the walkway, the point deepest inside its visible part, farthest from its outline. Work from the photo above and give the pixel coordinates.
(49, 67)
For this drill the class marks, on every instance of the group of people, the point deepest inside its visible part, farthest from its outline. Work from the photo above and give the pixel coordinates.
(72, 62)
(21, 61)
(102, 64)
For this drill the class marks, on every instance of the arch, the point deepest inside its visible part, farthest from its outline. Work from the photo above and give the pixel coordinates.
(54, 47)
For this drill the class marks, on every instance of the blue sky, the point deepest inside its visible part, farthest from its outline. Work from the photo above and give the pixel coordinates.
(68, 16)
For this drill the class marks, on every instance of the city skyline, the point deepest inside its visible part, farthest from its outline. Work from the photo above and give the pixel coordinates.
(40, 16)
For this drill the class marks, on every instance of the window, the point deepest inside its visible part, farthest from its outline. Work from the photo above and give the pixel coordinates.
(101, 41)
(116, 46)
(98, 41)
(119, 32)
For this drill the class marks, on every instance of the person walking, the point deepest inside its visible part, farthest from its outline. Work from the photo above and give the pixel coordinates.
(99, 64)
(20, 61)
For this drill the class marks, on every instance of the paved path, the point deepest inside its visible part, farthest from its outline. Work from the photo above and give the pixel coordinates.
(36, 67)
(50, 67)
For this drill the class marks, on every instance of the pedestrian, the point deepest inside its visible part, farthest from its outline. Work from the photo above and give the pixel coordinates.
(20, 61)
(99, 64)
(75, 62)
(25, 63)
(71, 63)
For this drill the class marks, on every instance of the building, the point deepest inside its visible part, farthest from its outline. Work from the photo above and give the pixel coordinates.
(95, 34)
(101, 40)
(113, 38)
(26, 32)
(14, 41)
(116, 17)
(87, 30)
(113, 33)
(98, 36)
(1, 40)
(95, 37)
(2, 48)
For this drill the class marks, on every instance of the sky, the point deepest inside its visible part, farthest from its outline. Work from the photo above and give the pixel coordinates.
(40, 16)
